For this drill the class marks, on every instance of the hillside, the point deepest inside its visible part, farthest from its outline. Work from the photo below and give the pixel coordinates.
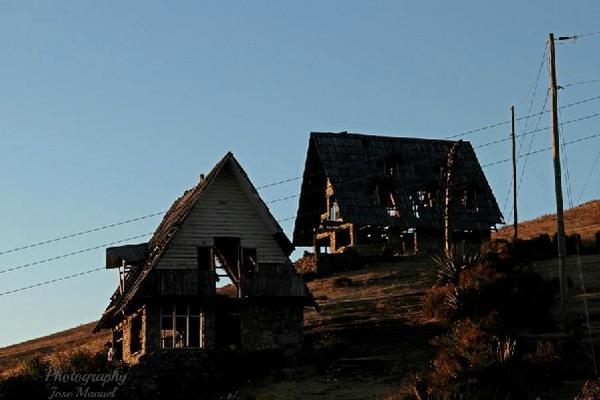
(373, 313)
(53, 346)
(371, 317)
(583, 219)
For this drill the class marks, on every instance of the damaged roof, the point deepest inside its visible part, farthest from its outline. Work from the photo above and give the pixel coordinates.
(168, 227)
(355, 165)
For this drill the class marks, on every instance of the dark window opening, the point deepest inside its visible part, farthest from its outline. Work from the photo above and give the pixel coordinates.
(391, 165)
(135, 343)
(391, 204)
(414, 205)
(181, 326)
(342, 238)
(469, 199)
(333, 209)
(205, 259)
(227, 265)
(118, 344)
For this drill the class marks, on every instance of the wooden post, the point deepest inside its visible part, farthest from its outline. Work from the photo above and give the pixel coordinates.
(448, 197)
(560, 222)
(514, 165)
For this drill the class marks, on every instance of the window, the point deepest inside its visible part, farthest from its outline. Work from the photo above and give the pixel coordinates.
(414, 204)
(181, 326)
(205, 259)
(135, 343)
(333, 209)
(391, 204)
(392, 165)
(469, 199)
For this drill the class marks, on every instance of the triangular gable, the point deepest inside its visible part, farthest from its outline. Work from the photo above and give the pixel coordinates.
(175, 218)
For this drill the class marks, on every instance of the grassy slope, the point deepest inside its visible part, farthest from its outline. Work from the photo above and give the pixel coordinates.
(377, 316)
(583, 219)
(379, 319)
(53, 346)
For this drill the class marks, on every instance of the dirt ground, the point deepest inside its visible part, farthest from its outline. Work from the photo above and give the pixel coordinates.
(375, 312)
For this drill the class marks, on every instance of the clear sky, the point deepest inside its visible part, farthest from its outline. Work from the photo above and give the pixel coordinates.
(109, 110)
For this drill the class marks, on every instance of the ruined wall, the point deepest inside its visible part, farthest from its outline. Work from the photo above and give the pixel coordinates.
(126, 325)
(269, 326)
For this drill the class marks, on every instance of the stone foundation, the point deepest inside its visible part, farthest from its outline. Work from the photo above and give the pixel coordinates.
(272, 326)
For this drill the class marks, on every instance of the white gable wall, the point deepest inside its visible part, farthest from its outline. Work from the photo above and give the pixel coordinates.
(223, 209)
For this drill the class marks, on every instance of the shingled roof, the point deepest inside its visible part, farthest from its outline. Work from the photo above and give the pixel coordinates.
(169, 225)
(355, 165)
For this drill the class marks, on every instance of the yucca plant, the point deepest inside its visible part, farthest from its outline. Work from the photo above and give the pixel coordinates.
(450, 265)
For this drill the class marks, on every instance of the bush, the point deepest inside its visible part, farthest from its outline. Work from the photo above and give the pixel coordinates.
(435, 304)
(82, 361)
(36, 368)
(590, 390)
(473, 286)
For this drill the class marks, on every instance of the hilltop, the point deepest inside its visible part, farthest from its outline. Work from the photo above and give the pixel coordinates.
(583, 219)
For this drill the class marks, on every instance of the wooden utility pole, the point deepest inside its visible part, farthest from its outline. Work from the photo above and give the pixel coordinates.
(560, 222)
(514, 165)
(448, 197)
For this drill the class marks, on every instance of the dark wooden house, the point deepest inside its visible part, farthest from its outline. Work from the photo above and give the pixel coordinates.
(172, 293)
(369, 192)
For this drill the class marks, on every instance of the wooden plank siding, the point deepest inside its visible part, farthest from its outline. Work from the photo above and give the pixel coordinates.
(223, 210)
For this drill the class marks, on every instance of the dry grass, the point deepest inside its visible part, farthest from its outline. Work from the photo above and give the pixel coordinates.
(378, 317)
(54, 348)
(583, 219)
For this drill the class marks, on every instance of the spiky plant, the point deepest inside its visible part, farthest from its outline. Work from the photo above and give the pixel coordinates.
(450, 265)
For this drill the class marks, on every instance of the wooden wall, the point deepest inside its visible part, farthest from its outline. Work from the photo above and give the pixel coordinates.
(223, 209)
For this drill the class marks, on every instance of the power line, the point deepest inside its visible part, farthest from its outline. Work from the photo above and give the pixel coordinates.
(575, 37)
(100, 246)
(51, 281)
(579, 83)
(85, 232)
(589, 177)
(143, 217)
(583, 139)
(537, 80)
(281, 182)
(579, 140)
(586, 117)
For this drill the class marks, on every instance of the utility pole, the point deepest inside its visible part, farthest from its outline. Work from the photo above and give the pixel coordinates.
(448, 197)
(560, 222)
(514, 165)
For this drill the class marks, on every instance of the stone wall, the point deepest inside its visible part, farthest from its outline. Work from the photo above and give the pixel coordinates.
(269, 326)
(128, 356)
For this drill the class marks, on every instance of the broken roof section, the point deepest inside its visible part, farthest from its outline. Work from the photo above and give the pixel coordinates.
(358, 167)
(175, 218)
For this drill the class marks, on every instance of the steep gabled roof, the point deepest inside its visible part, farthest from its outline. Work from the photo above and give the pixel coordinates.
(354, 164)
(174, 218)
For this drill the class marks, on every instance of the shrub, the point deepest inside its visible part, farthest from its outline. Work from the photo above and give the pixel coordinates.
(83, 361)
(590, 390)
(36, 367)
(435, 304)
(451, 265)
(473, 359)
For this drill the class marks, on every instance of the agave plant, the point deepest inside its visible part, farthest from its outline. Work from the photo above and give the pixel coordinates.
(451, 264)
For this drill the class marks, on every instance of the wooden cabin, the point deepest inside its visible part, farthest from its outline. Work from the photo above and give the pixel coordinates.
(215, 275)
(372, 192)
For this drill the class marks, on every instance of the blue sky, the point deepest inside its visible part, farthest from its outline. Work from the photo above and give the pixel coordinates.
(109, 110)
